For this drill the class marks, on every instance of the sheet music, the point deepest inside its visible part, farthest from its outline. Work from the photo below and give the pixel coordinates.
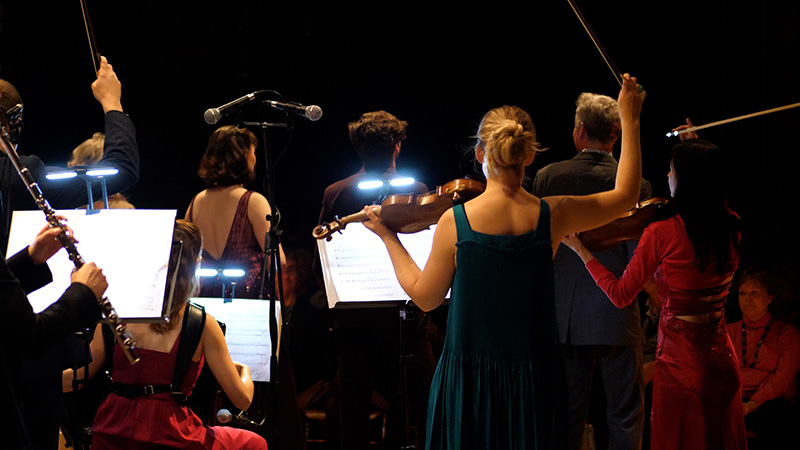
(247, 331)
(357, 268)
(131, 246)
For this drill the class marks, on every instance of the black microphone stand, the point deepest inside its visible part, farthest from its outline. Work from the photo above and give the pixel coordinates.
(271, 279)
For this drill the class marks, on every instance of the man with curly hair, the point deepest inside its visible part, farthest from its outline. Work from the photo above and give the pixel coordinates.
(368, 340)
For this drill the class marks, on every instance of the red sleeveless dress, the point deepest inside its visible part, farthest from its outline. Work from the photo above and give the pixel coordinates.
(158, 421)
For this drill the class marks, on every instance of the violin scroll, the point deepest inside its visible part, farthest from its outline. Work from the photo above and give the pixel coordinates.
(326, 229)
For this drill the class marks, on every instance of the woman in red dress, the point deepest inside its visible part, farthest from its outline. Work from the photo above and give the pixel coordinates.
(697, 396)
(158, 420)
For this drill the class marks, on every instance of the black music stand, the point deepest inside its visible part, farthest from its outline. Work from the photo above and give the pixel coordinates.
(358, 274)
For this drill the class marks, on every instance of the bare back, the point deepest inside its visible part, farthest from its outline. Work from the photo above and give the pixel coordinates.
(145, 338)
(213, 211)
(495, 212)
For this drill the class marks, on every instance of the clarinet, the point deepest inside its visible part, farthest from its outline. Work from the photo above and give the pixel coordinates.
(68, 242)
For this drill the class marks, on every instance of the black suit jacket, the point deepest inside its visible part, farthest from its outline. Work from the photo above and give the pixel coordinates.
(585, 315)
(120, 151)
(25, 333)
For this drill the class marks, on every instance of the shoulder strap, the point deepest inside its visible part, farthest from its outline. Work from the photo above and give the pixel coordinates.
(194, 320)
(245, 198)
(463, 229)
(109, 339)
(189, 211)
(543, 227)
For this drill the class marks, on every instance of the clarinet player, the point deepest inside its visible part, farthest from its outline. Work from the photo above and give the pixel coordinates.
(26, 334)
(37, 390)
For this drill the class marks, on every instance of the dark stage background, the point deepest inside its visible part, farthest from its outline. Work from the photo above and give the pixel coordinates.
(438, 67)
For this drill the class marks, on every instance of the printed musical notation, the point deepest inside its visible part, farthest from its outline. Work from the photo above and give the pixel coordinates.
(246, 331)
(357, 269)
(132, 246)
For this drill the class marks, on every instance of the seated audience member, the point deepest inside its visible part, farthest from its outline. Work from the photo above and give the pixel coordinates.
(769, 356)
(308, 321)
(141, 412)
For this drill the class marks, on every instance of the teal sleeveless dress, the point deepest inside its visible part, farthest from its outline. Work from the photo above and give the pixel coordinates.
(499, 383)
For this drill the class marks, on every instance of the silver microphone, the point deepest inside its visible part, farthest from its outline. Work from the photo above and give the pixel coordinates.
(212, 115)
(311, 112)
(225, 416)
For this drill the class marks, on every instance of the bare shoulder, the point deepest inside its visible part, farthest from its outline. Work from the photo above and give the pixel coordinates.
(446, 228)
(554, 201)
(561, 210)
(199, 196)
(212, 325)
(258, 201)
(213, 338)
(448, 218)
(258, 207)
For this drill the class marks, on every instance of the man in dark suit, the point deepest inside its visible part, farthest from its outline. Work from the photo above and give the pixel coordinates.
(26, 334)
(40, 388)
(600, 343)
(368, 339)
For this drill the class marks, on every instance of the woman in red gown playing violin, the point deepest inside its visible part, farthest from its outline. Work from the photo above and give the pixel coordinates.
(697, 394)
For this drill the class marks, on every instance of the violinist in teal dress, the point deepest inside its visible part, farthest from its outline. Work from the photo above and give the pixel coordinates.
(499, 382)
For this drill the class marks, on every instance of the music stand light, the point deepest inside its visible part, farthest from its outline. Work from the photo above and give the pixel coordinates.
(375, 184)
(88, 174)
(228, 278)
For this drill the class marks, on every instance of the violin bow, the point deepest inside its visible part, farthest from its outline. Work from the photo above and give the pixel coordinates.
(87, 23)
(733, 119)
(606, 58)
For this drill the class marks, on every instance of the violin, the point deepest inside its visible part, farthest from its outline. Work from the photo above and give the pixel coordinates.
(410, 213)
(628, 227)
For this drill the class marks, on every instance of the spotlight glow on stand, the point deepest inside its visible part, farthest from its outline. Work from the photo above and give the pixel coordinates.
(206, 272)
(61, 175)
(89, 174)
(396, 182)
(101, 172)
(227, 277)
(96, 172)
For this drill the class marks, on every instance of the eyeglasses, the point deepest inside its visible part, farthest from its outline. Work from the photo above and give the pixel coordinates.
(13, 119)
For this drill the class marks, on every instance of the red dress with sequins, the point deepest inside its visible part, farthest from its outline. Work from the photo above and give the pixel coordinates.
(697, 395)
(242, 251)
